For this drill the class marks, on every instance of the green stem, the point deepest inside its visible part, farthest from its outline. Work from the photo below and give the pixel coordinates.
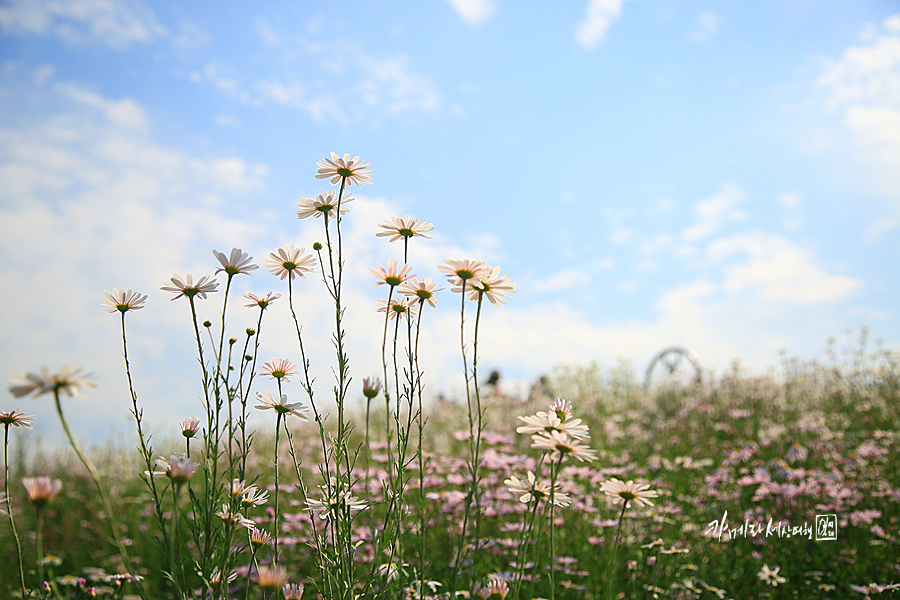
(612, 566)
(462, 535)
(39, 545)
(421, 454)
(554, 472)
(275, 532)
(12, 523)
(95, 475)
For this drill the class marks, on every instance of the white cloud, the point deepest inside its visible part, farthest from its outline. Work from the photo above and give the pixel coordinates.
(865, 74)
(473, 12)
(773, 269)
(392, 85)
(89, 202)
(331, 81)
(599, 15)
(118, 24)
(789, 199)
(863, 86)
(874, 126)
(880, 227)
(714, 212)
(564, 280)
(124, 112)
(707, 25)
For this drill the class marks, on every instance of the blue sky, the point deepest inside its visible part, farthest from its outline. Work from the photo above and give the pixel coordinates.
(717, 175)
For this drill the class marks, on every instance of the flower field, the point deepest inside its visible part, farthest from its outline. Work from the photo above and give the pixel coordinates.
(590, 487)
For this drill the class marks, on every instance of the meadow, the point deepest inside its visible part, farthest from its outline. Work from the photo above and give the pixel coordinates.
(590, 486)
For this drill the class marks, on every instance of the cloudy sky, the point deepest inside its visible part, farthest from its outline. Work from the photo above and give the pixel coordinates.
(721, 176)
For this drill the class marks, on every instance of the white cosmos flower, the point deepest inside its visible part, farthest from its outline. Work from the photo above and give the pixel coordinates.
(391, 276)
(489, 284)
(323, 204)
(281, 405)
(620, 491)
(529, 489)
(404, 228)
(68, 381)
(561, 445)
(458, 271)
(421, 290)
(260, 301)
(289, 261)
(353, 171)
(123, 300)
(187, 288)
(397, 308)
(237, 262)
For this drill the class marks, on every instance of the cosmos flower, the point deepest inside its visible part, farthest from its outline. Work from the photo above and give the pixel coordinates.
(391, 276)
(397, 308)
(353, 171)
(529, 489)
(292, 591)
(371, 387)
(236, 487)
(123, 300)
(254, 496)
(334, 504)
(323, 204)
(422, 290)
(289, 261)
(16, 419)
(562, 408)
(190, 427)
(262, 302)
(771, 576)
(216, 576)
(233, 517)
(796, 453)
(619, 491)
(259, 537)
(279, 368)
(405, 228)
(177, 468)
(237, 262)
(271, 579)
(41, 490)
(187, 288)
(67, 381)
(281, 405)
(549, 421)
(561, 445)
(489, 284)
(458, 271)
(495, 588)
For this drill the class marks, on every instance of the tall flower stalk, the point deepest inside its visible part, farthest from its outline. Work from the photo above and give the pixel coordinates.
(476, 281)
(69, 382)
(13, 419)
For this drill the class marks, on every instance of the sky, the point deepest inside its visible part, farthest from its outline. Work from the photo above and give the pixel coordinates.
(719, 176)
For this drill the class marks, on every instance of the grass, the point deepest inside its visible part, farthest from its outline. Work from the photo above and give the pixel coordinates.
(722, 447)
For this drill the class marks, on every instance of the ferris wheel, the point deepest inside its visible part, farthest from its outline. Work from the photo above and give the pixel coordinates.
(673, 366)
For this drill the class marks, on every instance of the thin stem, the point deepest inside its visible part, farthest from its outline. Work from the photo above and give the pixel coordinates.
(612, 565)
(39, 544)
(95, 475)
(420, 452)
(462, 536)
(275, 536)
(476, 460)
(12, 523)
(522, 547)
(554, 472)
